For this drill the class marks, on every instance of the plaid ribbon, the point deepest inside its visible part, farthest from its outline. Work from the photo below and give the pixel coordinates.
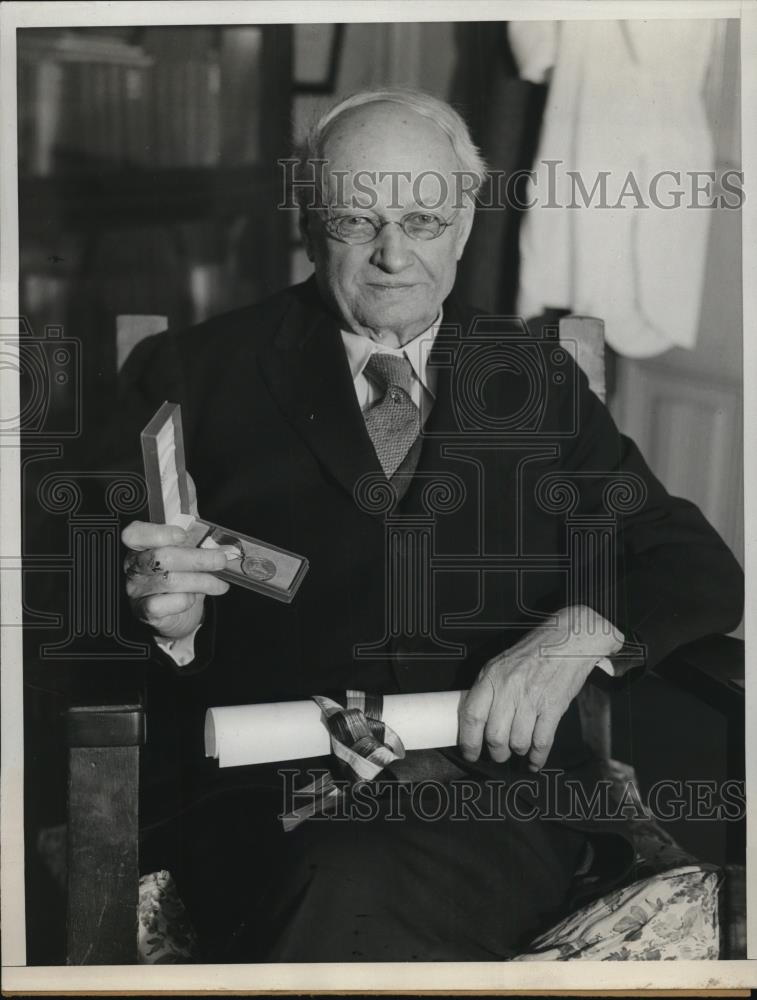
(362, 743)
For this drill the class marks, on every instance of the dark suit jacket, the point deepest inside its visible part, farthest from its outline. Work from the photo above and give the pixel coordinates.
(276, 444)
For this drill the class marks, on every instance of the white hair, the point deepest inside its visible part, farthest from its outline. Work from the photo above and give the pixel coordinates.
(442, 114)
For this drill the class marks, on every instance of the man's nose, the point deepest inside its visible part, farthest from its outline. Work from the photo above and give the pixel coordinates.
(391, 250)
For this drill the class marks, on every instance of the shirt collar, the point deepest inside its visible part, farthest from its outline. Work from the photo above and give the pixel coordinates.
(417, 351)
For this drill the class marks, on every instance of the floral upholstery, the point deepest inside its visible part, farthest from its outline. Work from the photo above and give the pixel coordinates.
(666, 916)
(670, 911)
(164, 933)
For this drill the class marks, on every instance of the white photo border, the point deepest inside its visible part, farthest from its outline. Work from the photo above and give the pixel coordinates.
(324, 978)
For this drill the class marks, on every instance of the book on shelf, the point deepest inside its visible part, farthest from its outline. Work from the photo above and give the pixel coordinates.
(72, 100)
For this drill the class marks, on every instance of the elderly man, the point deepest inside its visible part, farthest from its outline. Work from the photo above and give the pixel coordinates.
(369, 373)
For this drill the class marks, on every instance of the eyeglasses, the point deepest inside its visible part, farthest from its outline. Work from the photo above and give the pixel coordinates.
(363, 229)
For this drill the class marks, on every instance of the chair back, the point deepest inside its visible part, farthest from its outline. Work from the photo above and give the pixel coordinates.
(588, 335)
(131, 329)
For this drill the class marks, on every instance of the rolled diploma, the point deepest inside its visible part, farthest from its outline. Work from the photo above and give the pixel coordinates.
(292, 730)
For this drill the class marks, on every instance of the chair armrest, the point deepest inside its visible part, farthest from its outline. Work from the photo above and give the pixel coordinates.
(103, 830)
(711, 668)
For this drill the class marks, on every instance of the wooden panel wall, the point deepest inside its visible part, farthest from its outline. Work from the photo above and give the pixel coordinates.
(690, 431)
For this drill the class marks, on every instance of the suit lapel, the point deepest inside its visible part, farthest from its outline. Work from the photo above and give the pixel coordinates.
(305, 367)
(443, 421)
(442, 426)
(445, 426)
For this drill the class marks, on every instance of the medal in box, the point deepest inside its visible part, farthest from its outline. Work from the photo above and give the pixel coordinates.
(259, 566)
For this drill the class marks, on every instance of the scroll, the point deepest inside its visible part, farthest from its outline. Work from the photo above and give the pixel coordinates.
(292, 730)
(256, 565)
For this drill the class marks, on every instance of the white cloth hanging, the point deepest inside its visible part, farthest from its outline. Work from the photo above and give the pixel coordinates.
(625, 100)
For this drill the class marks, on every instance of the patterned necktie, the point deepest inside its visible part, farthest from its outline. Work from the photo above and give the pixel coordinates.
(394, 423)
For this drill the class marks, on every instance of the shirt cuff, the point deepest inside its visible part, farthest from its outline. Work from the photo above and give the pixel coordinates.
(181, 651)
(632, 654)
(607, 665)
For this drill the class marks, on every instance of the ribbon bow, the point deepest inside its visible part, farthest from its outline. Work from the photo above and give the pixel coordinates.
(360, 740)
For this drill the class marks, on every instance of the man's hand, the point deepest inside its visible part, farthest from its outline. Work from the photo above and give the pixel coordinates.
(520, 695)
(167, 579)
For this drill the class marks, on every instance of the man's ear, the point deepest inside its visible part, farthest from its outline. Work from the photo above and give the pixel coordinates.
(307, 239)
(464, 228)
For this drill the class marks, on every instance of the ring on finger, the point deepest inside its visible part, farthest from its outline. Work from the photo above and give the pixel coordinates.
(142, 563)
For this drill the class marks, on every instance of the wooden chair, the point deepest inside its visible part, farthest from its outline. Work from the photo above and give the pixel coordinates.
(104, 745)
(103, 832)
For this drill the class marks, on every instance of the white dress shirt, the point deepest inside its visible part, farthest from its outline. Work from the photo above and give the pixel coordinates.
(181, 651)
(423, 388)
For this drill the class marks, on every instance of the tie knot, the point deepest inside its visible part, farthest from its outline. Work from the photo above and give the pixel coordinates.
(390, 370)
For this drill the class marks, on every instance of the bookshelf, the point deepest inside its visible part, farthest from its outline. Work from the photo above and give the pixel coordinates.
(148, 181)
(168, 97)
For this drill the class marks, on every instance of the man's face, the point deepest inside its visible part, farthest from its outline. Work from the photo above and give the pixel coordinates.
(383, 162)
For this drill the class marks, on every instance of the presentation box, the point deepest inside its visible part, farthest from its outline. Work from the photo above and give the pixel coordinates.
(266, 569)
